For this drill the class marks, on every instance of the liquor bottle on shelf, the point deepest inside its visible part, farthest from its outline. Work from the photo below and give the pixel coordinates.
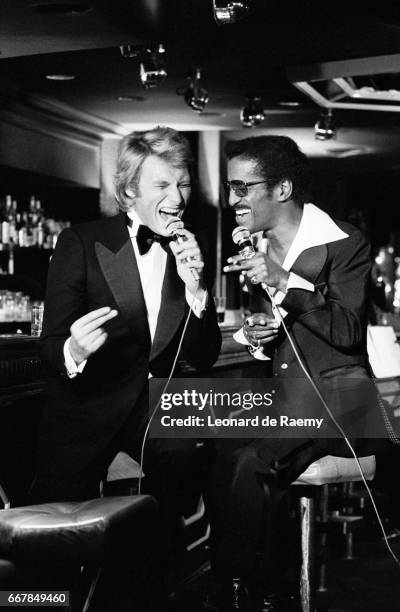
(5, 220)
(11, 259)
(27, 226)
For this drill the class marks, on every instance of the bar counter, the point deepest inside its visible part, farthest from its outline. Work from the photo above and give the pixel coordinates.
(21, 372)
(22, 394)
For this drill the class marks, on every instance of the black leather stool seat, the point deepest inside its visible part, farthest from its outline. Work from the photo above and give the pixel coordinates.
(77, 532)
(7, 571)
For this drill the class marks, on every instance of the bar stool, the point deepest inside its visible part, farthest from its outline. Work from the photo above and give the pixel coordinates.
(75, 534)
(7, 573)
(325, 471)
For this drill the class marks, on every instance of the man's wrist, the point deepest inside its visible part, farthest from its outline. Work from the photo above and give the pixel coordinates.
(200, 291)
(71, 365)
(283, 281)
(76, 357)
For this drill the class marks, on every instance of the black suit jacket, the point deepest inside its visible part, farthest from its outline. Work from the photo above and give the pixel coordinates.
(329, 328)
(94, 265)
(328, 325)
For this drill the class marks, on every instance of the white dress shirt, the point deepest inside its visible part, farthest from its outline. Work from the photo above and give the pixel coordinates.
(151, 266)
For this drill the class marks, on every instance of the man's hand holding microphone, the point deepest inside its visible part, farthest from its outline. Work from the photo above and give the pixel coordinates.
(189, 260)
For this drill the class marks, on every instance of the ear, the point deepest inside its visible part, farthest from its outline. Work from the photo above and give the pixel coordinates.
(129, 193)
(285, 190)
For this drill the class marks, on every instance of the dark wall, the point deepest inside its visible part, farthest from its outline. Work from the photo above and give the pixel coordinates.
(366, 194)
(62, 201)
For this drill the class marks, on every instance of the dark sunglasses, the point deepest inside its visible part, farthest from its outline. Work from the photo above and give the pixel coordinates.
(240, 188)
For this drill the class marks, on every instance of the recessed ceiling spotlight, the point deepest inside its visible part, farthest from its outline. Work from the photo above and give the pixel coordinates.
(127, 98)
(69, 9)
(290, 103)
(60, 77)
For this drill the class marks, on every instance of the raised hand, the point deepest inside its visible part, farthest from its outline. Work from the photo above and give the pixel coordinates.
(87, 333)
(260, 269)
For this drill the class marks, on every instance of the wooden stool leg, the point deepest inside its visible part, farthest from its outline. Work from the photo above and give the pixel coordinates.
(321, 583)
(307, 591)
(92, 587)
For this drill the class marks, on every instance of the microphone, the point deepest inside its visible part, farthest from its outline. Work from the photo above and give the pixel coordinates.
(173, 227)
(242, 238)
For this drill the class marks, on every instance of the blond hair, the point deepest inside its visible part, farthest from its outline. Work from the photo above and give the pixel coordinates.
(163, 142)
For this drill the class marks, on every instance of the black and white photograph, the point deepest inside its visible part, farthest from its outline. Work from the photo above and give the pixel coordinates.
(199, 305)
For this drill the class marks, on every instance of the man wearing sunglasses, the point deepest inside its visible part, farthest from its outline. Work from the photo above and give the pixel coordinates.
(311, 272)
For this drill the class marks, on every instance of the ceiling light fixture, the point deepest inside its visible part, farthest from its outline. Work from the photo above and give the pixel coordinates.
(226, 12)
(325, 128)
(194, 95)
(290, 103)
(60, 77)
(152, 71)
(354, 84)
(129, 98)
(252, 113)
(129, 51)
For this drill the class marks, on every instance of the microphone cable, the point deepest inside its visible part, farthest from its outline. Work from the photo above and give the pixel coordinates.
(163, 391)
(334, 420)
(242, 238)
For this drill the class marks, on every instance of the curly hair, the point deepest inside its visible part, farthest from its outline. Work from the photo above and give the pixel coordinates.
(163, 142)
(276, 158)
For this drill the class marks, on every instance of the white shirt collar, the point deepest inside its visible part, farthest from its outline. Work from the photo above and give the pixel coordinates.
(316, 228)
(133, 229)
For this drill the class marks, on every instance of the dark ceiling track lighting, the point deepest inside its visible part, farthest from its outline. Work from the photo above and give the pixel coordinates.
(194, 95)
(226, 12)
(252, 114)
(325, 128)
(152, 70)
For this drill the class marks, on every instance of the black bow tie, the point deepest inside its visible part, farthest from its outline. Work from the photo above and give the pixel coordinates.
(145, 238)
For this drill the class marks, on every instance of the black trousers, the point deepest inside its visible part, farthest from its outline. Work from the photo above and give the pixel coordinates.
(245, 495)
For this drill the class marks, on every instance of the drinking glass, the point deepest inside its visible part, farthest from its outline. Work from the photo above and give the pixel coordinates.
(220, 306)
(37, 318)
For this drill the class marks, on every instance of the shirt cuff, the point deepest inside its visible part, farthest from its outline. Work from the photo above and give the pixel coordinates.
(198, 306)
(297, 282)
(70, 365)
(257, 353)
(294, 282)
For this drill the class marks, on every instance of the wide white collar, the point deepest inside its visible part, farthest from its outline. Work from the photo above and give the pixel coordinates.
(316, 228)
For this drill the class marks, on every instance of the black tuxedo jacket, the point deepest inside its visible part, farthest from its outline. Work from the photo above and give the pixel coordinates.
(94, 265)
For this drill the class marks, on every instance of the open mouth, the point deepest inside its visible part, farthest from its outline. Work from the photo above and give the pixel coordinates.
(242, 212)
(167, 212)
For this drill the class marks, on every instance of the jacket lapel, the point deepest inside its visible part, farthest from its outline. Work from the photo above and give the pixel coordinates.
(310, 262)
(172, 309)
(117, 261)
